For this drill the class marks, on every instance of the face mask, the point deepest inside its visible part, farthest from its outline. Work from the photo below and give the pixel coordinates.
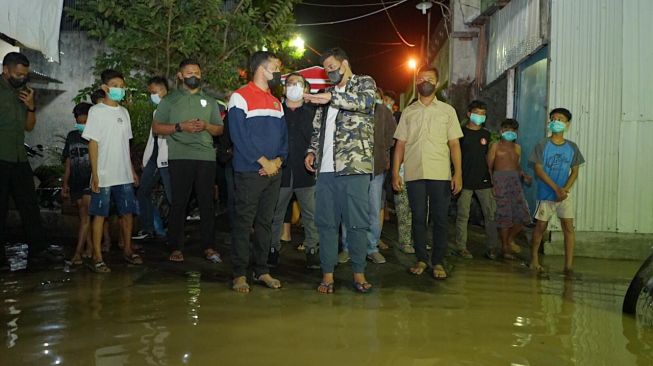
(116, 94)
(389, 106)
(276, 79)
(335, 76)
(378, 101)
(557, 126)
(294, 93)
(155, 98)
(80, 127)
(193, 82)
(425, 88)
(17, 82)
(477, 119)
(509, 135)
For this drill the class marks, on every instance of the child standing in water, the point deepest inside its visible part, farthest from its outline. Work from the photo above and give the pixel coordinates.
(512, 210)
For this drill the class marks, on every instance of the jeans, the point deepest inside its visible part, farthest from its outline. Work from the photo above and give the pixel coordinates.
(17, 182)
(256, 199)
(149, 178)
(375, 202)
(306, 199)
(437, 193)
(122, 196)
(184, 175)
(342, 199)
(488, 206)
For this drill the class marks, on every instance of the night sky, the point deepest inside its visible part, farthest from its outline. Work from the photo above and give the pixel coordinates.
(372, 44)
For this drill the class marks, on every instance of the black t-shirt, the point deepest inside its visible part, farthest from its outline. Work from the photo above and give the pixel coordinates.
(474, 146)
(80, 164)
(300, 129)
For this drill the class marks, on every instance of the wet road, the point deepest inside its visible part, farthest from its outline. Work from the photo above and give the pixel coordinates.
(487, 313)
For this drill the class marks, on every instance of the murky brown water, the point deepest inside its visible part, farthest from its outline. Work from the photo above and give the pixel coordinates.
(487, 314)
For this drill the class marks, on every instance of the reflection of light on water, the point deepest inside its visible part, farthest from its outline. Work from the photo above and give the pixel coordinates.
(193, 289)
(185, 358)
(523, 339)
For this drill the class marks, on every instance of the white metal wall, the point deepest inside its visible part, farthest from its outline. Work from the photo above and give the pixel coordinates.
(636, 158)
(598, 51)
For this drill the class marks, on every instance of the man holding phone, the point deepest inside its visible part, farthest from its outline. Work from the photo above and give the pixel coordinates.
(16, 177)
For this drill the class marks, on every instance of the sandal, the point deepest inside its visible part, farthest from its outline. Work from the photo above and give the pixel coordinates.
(212, 256)
(176, 256)
(407, 249)
(99, 267)
(240, 285)
(326, 288)
(463, 253)
(382, 246)
(301, 247)
(272, 283)
(439, 273)
(419, 268)
(133, 259)
(508, 256)
(362, 287)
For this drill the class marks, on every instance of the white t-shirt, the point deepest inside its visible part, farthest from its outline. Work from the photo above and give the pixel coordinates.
(111, 128)
(328, 165)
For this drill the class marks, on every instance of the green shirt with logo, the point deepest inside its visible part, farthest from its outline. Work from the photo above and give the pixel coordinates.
(13, 115)
(180, 106)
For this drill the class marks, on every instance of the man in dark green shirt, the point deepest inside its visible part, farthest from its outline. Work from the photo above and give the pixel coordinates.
(189, 119)
(16, 177)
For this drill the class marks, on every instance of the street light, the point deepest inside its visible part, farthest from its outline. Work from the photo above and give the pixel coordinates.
(412, 64)
(424, 6)
(298, 43)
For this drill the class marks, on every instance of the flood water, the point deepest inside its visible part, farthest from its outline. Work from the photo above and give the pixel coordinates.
(487, 313)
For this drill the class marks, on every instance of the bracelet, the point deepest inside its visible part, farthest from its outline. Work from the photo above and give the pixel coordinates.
(31, 110)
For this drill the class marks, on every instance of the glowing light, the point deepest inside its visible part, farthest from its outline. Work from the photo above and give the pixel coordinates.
(412, 64)
(298, 43)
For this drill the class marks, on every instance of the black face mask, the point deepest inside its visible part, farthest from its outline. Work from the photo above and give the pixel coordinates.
(425, 88)
(335, 76)
(17, 82)
(275, 81)
(193, 82)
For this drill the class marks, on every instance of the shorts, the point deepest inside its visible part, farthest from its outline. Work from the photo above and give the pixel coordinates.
(512, 207)
(78, 194)
(122, 195)
(546, 209)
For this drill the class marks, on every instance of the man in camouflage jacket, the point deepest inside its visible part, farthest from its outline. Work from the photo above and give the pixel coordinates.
(341, 155)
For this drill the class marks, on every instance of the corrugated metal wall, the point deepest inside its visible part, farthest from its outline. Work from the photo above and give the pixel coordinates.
(599, 50)
(636, 160)
(585, 77)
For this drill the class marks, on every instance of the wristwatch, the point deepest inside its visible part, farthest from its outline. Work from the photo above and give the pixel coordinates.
(177, 127)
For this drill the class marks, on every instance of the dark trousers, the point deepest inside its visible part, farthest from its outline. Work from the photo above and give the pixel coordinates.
(437, 193)
(256, 199)
(149, 178)
(17, 182)
(231, 193)
(338, 200)
(184, 176)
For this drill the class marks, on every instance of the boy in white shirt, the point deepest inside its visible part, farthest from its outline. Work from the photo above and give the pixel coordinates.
(108, 130)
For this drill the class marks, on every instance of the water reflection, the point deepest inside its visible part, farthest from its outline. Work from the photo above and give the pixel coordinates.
(486, 314)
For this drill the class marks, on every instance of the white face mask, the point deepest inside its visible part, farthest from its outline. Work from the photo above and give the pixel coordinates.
(155, 98)
(294, 93)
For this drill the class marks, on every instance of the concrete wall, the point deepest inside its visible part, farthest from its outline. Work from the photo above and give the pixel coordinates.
(54, 101)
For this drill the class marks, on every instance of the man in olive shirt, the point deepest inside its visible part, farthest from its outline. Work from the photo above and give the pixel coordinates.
(427, 144)
(16, 178)
(189, 118)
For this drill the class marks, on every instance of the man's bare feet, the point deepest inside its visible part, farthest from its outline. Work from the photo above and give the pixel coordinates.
(176, 256)
(535, 266)
(239, 284)
(514, 247)
(419, 268)
(269, 281)
(439, 273)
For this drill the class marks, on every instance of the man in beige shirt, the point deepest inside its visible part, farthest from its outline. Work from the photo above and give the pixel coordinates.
(427, 144)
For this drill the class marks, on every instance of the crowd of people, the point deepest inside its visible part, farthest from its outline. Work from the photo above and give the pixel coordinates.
(333, 150)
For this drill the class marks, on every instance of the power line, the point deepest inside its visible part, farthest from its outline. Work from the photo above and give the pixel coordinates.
(345, 6)
(395, 27)
(351, 40)
(352, 19)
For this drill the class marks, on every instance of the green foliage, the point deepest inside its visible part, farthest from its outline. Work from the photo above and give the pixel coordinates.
(150, 37)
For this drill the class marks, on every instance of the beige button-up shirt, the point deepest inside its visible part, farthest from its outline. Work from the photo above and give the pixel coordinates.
(427, 129)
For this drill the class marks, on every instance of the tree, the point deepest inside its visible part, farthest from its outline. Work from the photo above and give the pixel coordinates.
(150, 37)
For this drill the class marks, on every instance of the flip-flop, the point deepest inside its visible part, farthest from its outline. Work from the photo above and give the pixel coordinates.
(239, 287)
(176, 258)
(214, 257)
(134, 259)
(361, 288)
(99, 267)
(442, 270)
(273, 283)
(328, 286)
(420, 266)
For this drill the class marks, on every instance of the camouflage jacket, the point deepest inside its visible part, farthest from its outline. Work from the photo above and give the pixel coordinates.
(354, 133)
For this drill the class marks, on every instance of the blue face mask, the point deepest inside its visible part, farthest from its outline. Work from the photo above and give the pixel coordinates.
(80, 127)
(557, 126)
(116, 94)
(509, 135)
(155, 98)
(477, 119)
